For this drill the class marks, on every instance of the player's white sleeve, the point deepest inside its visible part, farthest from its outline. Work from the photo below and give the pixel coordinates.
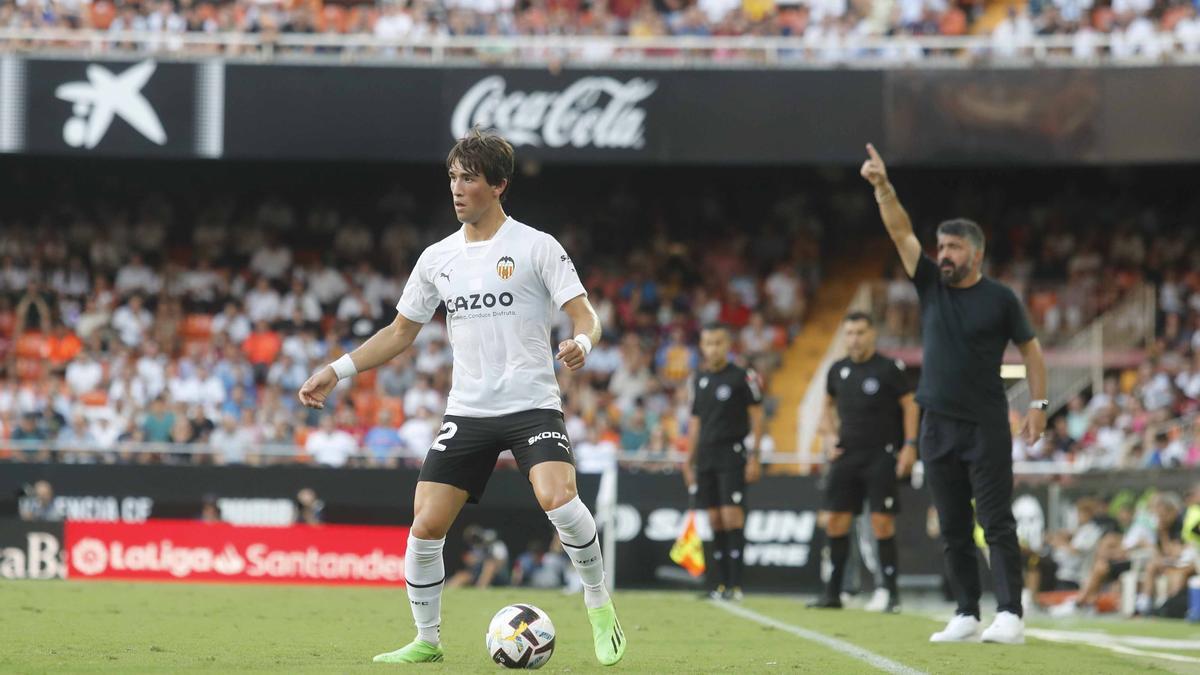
(558, 271)
(420, 298)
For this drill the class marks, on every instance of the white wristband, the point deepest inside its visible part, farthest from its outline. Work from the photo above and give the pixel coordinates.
(344, 367)
(585, 342)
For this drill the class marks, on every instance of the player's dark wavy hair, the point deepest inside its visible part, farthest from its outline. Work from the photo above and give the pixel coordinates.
(967, 229)
(485, 153)
(859, 316)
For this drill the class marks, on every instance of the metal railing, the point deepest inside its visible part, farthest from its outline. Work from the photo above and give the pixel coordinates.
(282, 453)
(668, 52)
(1127, 325)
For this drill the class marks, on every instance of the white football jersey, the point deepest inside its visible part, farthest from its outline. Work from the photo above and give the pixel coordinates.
(501, 297)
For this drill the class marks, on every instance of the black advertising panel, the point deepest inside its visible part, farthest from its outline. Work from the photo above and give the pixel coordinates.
(994, 116)
(211, 108)
(144, 108)
(333, 112)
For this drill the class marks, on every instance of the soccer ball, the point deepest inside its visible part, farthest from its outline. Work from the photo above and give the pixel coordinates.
(520, 636)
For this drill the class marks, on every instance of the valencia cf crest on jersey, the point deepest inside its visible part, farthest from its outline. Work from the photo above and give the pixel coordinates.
(505, 267)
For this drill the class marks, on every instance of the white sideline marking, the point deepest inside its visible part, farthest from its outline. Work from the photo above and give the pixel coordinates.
(1116, 643)
(853, 651)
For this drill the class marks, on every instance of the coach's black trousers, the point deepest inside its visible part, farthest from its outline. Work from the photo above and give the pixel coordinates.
(964, 461)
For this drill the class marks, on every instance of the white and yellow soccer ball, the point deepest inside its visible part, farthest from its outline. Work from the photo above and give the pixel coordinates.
(520, 636)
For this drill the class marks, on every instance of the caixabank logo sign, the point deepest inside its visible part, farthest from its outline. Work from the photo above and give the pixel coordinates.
(145, 108)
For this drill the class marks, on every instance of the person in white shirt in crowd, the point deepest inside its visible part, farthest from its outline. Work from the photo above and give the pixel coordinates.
(355, 306)
(327, 283)
(84, 373)
(303, 299)
(93, 318)
(136, 277)
(199, 284)
(418, 432)
(72, 281)
(422, 395)
(232, 323)
(1013, 36)
(263, 302)
(272, 260)
(151, 369)
(287, 373)
(211, 392)
(1187, 30)
(329, 445)
(231, 443)
(132, 321)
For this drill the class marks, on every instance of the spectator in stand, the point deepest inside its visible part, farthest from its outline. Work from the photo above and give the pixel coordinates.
(383, 443)
(330, 446)
(132, 321)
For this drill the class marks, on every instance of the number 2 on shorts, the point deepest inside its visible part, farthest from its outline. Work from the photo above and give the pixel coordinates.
(448, 431)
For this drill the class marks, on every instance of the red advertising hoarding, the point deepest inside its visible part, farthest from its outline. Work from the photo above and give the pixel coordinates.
(166, 550)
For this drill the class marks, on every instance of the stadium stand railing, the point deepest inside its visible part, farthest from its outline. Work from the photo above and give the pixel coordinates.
(669, 52)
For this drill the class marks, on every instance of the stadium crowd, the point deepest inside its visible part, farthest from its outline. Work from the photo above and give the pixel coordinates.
(1132, 552)
(1137, 27)
(129, 326)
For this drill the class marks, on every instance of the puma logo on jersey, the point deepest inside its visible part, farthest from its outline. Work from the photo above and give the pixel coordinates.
(478, 301)
(443, 274)
(546, 435)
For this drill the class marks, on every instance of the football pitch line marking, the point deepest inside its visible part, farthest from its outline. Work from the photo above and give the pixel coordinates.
(1116, 643)
(842, 647)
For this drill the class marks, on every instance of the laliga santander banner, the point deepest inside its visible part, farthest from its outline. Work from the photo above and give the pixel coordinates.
(165, 550)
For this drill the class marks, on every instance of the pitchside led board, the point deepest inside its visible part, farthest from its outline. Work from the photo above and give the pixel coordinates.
(210, 108)
(142, 109)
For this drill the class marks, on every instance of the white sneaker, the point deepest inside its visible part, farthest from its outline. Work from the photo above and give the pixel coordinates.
(962, 628)
(1064, 610)
(879, 601)
(1007, 628)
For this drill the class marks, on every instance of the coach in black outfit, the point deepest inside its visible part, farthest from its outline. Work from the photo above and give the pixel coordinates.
(967, 321)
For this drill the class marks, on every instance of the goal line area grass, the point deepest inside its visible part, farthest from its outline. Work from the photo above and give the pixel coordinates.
(94, 626)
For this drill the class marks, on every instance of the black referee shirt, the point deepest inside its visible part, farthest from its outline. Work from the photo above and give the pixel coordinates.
(964, 334)
(721, 400)
(868, 396)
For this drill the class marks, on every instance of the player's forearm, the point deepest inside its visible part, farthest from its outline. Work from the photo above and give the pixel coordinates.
(756, 431)
(895, 218)
(587, 323)
(1035, 369)
(912, 420)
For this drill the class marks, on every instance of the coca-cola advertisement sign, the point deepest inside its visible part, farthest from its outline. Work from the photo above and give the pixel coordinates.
(591, 112)
(165, 550)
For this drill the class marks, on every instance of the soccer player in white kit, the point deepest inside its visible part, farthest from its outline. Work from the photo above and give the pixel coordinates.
(501, 282)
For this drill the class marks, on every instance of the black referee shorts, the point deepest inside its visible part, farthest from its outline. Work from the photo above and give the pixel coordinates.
(465, 451)
(858, 476)
(720, 487)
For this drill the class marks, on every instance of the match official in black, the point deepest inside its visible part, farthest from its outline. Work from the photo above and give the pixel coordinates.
(872, 416)
(967, 321)
(726, 408)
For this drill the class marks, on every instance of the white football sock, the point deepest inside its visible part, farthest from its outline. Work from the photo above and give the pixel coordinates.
(425, 575)
(577, 531)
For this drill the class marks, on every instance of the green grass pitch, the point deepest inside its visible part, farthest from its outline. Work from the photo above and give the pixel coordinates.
(122, 628)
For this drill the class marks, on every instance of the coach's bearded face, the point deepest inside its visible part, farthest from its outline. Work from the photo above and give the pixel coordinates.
(956, 259)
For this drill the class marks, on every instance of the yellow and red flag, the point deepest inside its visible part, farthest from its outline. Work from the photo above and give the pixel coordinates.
(688, 551)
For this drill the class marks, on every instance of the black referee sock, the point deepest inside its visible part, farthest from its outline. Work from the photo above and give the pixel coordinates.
(887, 563)
(839, 551)
(736, 543)
(720, 566)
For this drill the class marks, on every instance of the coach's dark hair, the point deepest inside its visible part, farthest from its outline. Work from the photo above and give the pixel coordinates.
(859, 316)
(717, 325)
(485, 153)
(967, 229)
